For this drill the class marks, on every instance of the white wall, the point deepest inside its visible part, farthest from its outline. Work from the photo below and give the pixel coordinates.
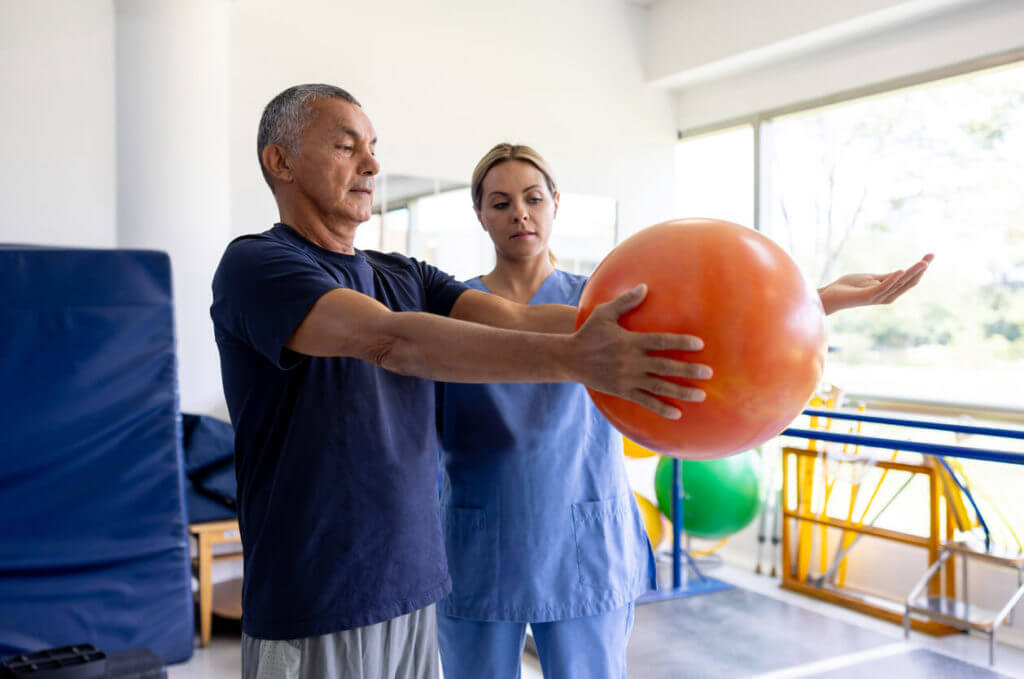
(444, 81)
(57, 121)
(172, 163)
(441, 81)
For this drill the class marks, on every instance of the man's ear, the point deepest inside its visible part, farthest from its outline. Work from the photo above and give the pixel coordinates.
(275, 161)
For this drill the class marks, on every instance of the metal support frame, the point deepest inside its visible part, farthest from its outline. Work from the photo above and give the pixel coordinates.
(700, 584)
(960, 613)
(949, 610)
(821, 585)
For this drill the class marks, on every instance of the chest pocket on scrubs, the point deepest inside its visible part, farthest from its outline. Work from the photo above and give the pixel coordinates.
(472, 550)
(605, 542)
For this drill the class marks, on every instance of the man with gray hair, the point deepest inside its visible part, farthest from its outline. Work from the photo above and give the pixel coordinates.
(327, 356)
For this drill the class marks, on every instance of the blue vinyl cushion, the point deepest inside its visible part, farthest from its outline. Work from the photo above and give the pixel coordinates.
(211, 492)
(93, 542)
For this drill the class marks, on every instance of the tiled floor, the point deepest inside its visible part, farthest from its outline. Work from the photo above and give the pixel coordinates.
(882, 648)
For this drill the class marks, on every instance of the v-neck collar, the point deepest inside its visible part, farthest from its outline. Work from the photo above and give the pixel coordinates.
(536, 293)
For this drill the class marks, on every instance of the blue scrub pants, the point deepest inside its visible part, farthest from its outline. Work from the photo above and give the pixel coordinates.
(591, 647)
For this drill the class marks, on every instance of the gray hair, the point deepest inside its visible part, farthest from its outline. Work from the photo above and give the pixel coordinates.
(287, 115)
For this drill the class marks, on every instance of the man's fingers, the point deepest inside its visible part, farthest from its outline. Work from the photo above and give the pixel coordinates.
(624, 302)
(666, 341)
(669, 367)
(655, 404)
(660, 387)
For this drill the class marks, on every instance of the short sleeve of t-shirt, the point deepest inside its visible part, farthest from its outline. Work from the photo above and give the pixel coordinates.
(261, 292)
(442, 290)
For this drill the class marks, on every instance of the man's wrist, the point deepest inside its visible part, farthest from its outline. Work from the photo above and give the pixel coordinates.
(567, 358)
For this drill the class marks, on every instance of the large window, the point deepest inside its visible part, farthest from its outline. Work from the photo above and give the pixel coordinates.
(715, 176)
(873, 184)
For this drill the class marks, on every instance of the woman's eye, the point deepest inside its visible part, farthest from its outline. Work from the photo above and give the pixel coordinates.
(346, 148)
(534, 200)
(500, 206)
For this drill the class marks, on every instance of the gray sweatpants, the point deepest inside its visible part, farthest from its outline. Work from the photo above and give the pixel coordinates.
(401, 648)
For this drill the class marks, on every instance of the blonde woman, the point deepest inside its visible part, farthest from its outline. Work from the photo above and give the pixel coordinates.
(539, 520)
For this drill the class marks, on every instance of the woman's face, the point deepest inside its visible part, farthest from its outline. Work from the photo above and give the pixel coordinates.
(517, 209)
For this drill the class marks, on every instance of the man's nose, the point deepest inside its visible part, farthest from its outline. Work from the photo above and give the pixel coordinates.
(370, 164)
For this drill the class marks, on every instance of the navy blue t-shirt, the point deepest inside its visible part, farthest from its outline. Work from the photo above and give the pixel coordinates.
(336, 459)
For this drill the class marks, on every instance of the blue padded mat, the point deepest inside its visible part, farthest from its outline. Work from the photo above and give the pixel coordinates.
(93, 543)
(211, 492)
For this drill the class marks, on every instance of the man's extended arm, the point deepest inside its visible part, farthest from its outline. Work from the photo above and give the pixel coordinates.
(601, 354)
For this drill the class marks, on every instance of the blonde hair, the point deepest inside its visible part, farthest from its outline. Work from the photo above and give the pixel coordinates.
(502, 153)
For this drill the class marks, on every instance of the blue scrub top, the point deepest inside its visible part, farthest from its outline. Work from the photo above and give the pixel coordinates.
(539, 520)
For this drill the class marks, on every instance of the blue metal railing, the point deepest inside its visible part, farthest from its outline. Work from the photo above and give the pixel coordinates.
(967, 452)
(942, 449)
(958, 427)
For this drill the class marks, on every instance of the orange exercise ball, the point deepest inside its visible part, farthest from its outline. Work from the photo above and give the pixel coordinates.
(763, 329)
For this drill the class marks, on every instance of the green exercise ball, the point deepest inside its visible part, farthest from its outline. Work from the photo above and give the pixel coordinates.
(720, 497)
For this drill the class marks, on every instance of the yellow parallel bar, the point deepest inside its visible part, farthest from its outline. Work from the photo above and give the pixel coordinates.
(905, 538)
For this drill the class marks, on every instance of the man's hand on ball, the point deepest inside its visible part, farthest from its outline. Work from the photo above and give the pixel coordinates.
(616, 361)
(865, 289)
